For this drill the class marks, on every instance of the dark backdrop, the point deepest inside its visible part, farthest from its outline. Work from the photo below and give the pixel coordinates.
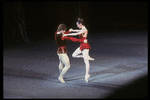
(43, 18)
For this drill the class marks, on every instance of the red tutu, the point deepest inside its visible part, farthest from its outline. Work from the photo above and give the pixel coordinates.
(84, 45)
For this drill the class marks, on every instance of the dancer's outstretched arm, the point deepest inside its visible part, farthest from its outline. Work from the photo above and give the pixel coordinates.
(74, 34)
(73, 39)
(74, 30)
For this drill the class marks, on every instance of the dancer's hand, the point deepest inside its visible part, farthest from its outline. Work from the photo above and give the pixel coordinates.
(70, 29)
(85, 41)
(64, 35)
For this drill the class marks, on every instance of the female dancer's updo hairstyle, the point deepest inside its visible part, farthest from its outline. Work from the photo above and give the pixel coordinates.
(80, 21)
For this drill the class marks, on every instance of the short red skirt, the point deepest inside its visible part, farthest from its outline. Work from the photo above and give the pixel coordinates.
(84, 46)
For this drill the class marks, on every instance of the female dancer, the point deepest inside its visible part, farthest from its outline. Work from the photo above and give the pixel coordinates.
(84, 47)
(62, 51)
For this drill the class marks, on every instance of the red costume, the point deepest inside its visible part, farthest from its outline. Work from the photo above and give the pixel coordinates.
(84, 45)
(61, 41)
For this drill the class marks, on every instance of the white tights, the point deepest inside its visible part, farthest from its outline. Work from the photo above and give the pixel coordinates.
(85, 56)
(63, 60)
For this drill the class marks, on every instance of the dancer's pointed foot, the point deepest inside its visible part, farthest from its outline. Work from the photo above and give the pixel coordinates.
(61, 79)
(86, 77)
(91, 58)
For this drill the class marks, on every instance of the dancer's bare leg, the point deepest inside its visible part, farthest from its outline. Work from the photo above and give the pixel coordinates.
(76, 53)
(65, 60)
(87, 64)
(90, 57)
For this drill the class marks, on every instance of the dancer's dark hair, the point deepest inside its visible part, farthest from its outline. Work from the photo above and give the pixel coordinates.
(62, 27)
(80, 20)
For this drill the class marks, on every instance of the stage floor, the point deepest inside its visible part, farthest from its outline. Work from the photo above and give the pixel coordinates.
(31, 71)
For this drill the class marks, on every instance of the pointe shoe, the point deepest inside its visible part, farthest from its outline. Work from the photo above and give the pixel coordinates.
(86, 77)
(61, 79)
(90, 58)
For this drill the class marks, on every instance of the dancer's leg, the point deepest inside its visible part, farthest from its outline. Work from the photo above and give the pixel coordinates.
(76, 53)
(89, 56)
(86, 60)
(66, 62)
(85, 53)
(60, 67)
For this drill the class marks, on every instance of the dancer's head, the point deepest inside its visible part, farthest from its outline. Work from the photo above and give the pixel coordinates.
(79, 23)
(62, 28)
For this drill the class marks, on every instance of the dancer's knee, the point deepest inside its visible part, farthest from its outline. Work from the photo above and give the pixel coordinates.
(85, 58)
(73, 55)
(67, 65)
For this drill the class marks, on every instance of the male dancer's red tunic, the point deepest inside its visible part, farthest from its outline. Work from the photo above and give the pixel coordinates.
(61, 41)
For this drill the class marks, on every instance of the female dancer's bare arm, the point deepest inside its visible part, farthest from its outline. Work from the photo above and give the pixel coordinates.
(74, 34)
(72, 30)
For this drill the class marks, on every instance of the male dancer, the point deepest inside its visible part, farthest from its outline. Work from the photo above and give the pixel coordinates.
(62, 51)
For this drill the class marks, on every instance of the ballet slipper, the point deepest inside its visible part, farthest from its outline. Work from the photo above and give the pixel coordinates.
(91, 58)
(86, 77)
(61, 79)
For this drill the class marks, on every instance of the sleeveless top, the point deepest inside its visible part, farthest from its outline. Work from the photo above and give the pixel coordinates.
(84, 45)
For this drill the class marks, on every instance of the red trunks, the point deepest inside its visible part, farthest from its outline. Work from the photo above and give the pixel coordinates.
(62, 49)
